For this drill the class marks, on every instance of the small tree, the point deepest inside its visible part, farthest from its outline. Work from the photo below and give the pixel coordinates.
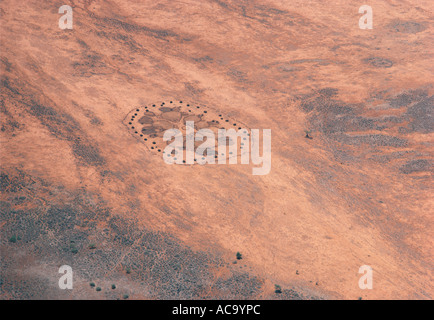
(13, 239)
(239, 256)
(98, 288)
(277, 288)
(113, 286)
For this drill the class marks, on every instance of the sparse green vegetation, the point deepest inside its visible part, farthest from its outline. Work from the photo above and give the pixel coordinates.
(158, 265)
(277, 288)
(239, 256)
(73, 248)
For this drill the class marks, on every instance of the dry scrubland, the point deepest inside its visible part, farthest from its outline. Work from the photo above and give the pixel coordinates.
(78, 188)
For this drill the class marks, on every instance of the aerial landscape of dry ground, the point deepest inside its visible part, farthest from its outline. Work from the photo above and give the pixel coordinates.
(78, 188)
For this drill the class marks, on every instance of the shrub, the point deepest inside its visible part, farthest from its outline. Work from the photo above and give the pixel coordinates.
(239, 256)
(92, 246)
(113, 286)
(92, 284)
(128, 270)
(277, 288)
(98, 288)
(13, 239)
(126, 296)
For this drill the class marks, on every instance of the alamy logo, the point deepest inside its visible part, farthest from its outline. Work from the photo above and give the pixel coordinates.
(65, 281)
(365, 21)
(65, 21)
(365, 281)
(205, 153)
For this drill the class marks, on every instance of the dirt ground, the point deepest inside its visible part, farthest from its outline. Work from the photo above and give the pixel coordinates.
(78, 188)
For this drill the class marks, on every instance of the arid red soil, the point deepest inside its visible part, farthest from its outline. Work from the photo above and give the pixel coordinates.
(77, 187)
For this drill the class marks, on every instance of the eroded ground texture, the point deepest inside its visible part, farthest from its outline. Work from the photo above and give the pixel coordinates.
(79, 189)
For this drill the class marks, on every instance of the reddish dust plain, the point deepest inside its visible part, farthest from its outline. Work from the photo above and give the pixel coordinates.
(77, 187)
